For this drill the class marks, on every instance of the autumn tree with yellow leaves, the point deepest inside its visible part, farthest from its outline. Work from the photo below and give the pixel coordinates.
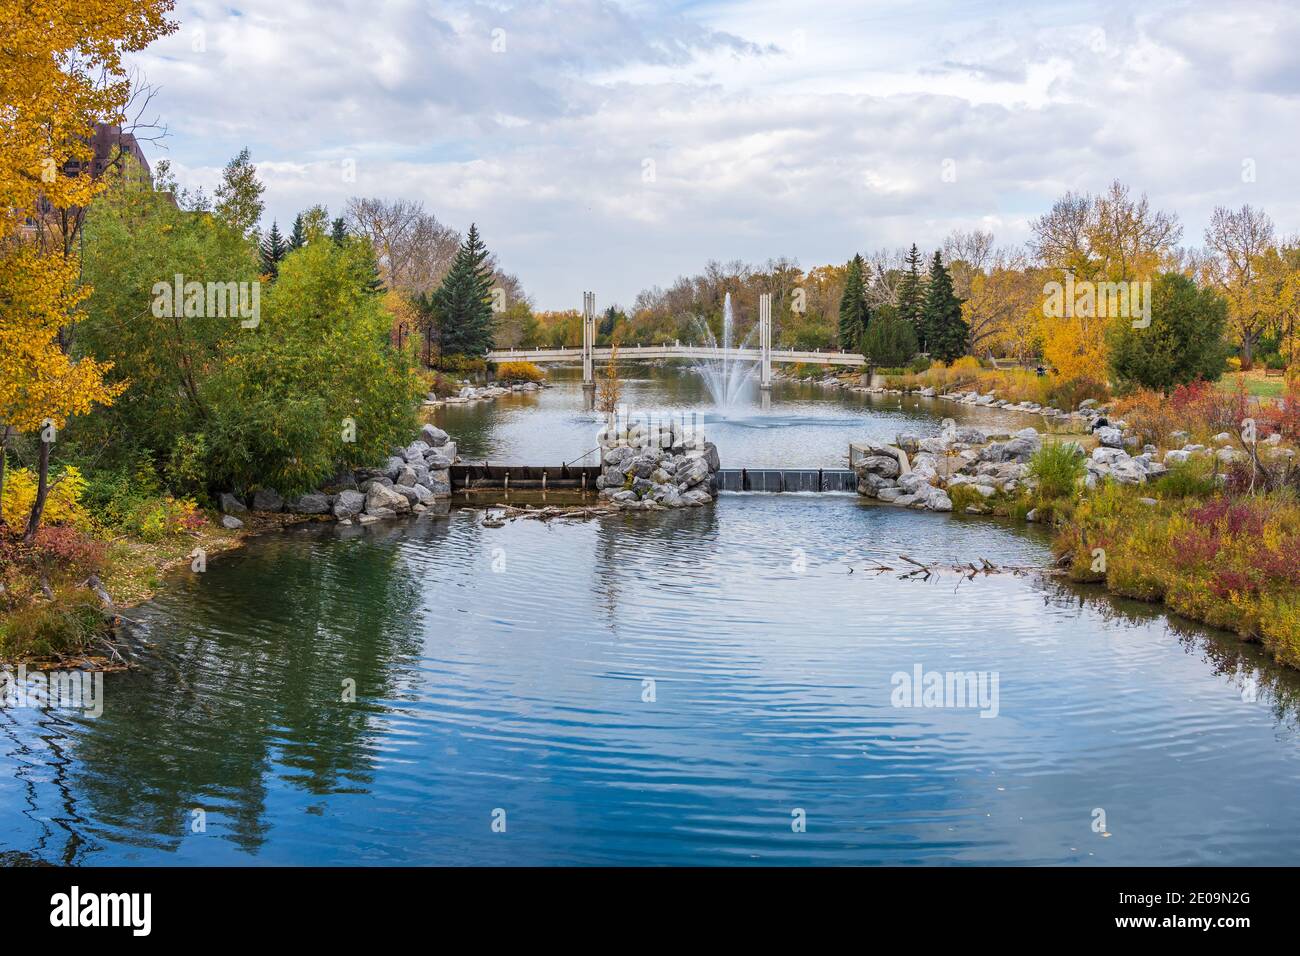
(61, 72)
(1111, 237)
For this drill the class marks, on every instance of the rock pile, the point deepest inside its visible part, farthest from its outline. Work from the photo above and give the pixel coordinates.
(989, 461)
(646, 471)
(410, 482)
(480, 393)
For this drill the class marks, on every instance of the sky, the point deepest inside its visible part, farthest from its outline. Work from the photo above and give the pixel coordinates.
(616, 146)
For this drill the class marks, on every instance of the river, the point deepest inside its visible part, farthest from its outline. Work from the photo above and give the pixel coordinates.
(710, 686)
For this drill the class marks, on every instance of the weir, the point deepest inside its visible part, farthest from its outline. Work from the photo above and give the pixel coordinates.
(484, 475)
(787, 479)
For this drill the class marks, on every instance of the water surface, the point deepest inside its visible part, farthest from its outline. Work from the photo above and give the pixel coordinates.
(657, 689)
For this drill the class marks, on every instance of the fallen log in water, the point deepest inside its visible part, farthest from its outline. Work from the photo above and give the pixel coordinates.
(967, 571)
(497, 515)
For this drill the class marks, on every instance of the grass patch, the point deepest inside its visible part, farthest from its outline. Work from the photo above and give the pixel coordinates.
(50, 629)
(1254, 383)
(1058, 468)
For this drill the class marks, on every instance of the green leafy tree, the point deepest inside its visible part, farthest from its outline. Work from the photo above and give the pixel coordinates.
(890, 340)
(239, 197)
(911, 296)
(135, 240)
(855, 314)
(274, 248)
(1184, 342)
(944, 331)
(462, 304)
(319, 360)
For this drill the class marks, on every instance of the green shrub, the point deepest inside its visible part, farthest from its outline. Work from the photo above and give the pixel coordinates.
(1058, 467)
(1193, 478)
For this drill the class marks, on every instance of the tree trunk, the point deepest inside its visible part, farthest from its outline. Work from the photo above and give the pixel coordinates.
(4, 447)
(42, 492)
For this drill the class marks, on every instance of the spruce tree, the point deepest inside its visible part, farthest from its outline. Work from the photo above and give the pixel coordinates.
(890, 341)
(945, 332)
(855, 314)
(298, 238)
(911, 295)
(273, 250)
(339, 231)
(463, 302)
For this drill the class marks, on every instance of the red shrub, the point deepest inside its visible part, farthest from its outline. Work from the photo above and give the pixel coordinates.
(1192, 548)
(60, 548)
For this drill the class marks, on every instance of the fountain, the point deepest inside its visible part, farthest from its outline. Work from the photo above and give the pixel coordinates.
(725, 374)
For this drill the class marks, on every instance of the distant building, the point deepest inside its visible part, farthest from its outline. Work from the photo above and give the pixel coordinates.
(111, 147)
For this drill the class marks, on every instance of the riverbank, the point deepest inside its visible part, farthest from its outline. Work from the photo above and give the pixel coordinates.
(1204, 518)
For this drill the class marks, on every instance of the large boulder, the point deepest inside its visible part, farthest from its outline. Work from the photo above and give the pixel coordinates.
(691, 472)
(936, 499)
(349, 504)
(231, 505)
(267, 499)
(884, 465)
(437, 459)
(409, 493)
(394, 467)
(1110, 436)
(643, 465)
(871, 484)
(440, 482)
(406, 477)
(696, 497)
(379, 497)
(433, 435)
(231, 523)
(619, 456)
(313, 503)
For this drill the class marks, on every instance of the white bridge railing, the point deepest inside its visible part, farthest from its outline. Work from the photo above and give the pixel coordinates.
(589, 354)
(674, 350)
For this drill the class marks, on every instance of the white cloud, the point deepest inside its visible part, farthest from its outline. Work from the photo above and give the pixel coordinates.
(536, 120)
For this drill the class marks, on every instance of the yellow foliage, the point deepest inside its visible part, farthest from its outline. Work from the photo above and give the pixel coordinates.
(38, 380)
(63, 506)
(1076, 347)
(61, 70)
(519, 372)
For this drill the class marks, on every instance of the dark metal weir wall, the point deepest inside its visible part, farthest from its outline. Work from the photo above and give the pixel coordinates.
(787, 479)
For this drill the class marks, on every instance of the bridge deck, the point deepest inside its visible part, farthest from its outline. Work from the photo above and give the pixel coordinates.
(675, 351)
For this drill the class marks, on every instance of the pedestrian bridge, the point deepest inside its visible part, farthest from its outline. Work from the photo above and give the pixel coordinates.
(630, 353)
(763, 356)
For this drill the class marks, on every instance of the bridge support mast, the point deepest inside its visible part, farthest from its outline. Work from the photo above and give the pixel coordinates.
(588, 344)
(765, 341)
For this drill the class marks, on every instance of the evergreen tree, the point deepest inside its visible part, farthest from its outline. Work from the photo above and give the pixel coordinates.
(890, 340)
(1183, 342)
(607, 322)
(273, 250)
(338, 231)
(298, 238)
(911, 295)
(855, 314)
(944, 332)
(463, 304)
